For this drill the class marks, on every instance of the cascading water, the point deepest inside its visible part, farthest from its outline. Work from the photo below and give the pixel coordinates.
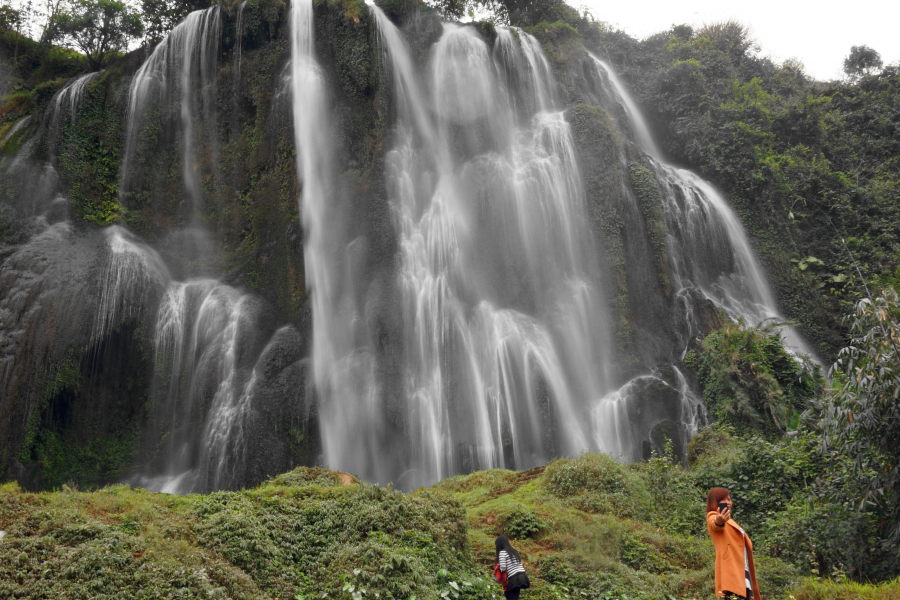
(505, 334)
(205, 335)
(132, 272)
(494, 346)
(15, 129)
(708, 248)
(70, 98)
(239, 43)
(342, 364)
(183, 63)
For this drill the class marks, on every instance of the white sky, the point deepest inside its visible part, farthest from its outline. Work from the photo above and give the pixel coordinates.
(817, 32)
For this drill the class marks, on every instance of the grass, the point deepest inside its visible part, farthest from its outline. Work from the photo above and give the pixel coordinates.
(588, 527)
(305, 533)
(594, 533)
(814, 589)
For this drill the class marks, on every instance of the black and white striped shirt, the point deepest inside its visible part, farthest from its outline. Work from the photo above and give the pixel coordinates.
(510, 564)
(746, 561)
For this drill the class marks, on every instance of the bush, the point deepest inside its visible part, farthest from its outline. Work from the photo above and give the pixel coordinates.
(299, 534)
(750, 381)
(521, 524)
(588, 472)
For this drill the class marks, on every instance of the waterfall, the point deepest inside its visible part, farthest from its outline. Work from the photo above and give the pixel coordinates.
(205, 333)
(644, 408)
(14, 129)
(132, 273)
(183, 63)
(70, 97)
(239, 45)
(517, 54)
(505, 335)
(344, 370)
(708, 247)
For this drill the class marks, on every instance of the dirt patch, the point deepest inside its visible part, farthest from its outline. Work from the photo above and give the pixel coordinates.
(346, 479)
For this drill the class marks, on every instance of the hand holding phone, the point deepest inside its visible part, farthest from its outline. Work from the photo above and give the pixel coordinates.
(724, 513)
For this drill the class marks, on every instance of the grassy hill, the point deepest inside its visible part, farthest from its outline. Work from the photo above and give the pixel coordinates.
(588, 527)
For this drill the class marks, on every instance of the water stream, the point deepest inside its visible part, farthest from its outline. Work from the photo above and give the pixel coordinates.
(506, 340)
(167, 84)
(708, 247)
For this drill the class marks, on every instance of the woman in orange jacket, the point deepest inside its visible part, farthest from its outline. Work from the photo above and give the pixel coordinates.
(735, 571)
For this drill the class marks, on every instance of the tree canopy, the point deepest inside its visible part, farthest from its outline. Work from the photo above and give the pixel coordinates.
(98, 28)
(864, 419)
(861, 61)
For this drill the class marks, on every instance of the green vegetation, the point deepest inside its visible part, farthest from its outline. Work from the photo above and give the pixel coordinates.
(304, 534)
(586, 526)
(813, 171)
(810, 166)
(861, 61)
(589, 526)
(98, 28)
(649, 198)
(863, 420)
(750, 381)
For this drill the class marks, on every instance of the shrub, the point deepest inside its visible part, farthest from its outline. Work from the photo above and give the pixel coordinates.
(750, 381)
(521, 524)
(588, 472)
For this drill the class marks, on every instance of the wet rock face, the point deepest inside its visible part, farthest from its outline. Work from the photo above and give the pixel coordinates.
(281, 433)
(48, 299)
(66, 313)
(654, 414)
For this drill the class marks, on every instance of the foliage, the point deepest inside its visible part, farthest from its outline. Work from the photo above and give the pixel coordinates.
(512, 12)
(98, 28)
(862, 60)
(9, 17)
(646, 547)
(588, 472)
(521, 524)
(809, 166)
(306, 534)
(676, 489)
(750, 381)
(763, 477)
(596, 483)
(161, 16)
(795, 501)
(863, 419)
(818, 589)
(303, 534)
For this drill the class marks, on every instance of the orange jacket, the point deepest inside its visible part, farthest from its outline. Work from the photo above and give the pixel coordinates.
(729, 543)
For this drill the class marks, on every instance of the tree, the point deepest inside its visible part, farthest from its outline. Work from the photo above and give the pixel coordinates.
(98, 28)
(863, 420)
(161, 16)
(862, 61)
(9, 18)
(17, 20)
(514, 12)
(54, 10)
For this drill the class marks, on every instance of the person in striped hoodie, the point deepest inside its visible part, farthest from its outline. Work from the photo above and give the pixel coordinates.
(509, 569)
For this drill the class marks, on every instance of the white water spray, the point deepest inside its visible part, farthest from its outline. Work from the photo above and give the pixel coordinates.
(505, 336)
(343, 367)
(708, 247)
(183, 63)
(132, 272)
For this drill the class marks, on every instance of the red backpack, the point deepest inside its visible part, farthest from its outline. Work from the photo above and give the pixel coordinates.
(500, 575)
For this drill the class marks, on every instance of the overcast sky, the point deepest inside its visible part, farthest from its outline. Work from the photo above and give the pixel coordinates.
(817, 32)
